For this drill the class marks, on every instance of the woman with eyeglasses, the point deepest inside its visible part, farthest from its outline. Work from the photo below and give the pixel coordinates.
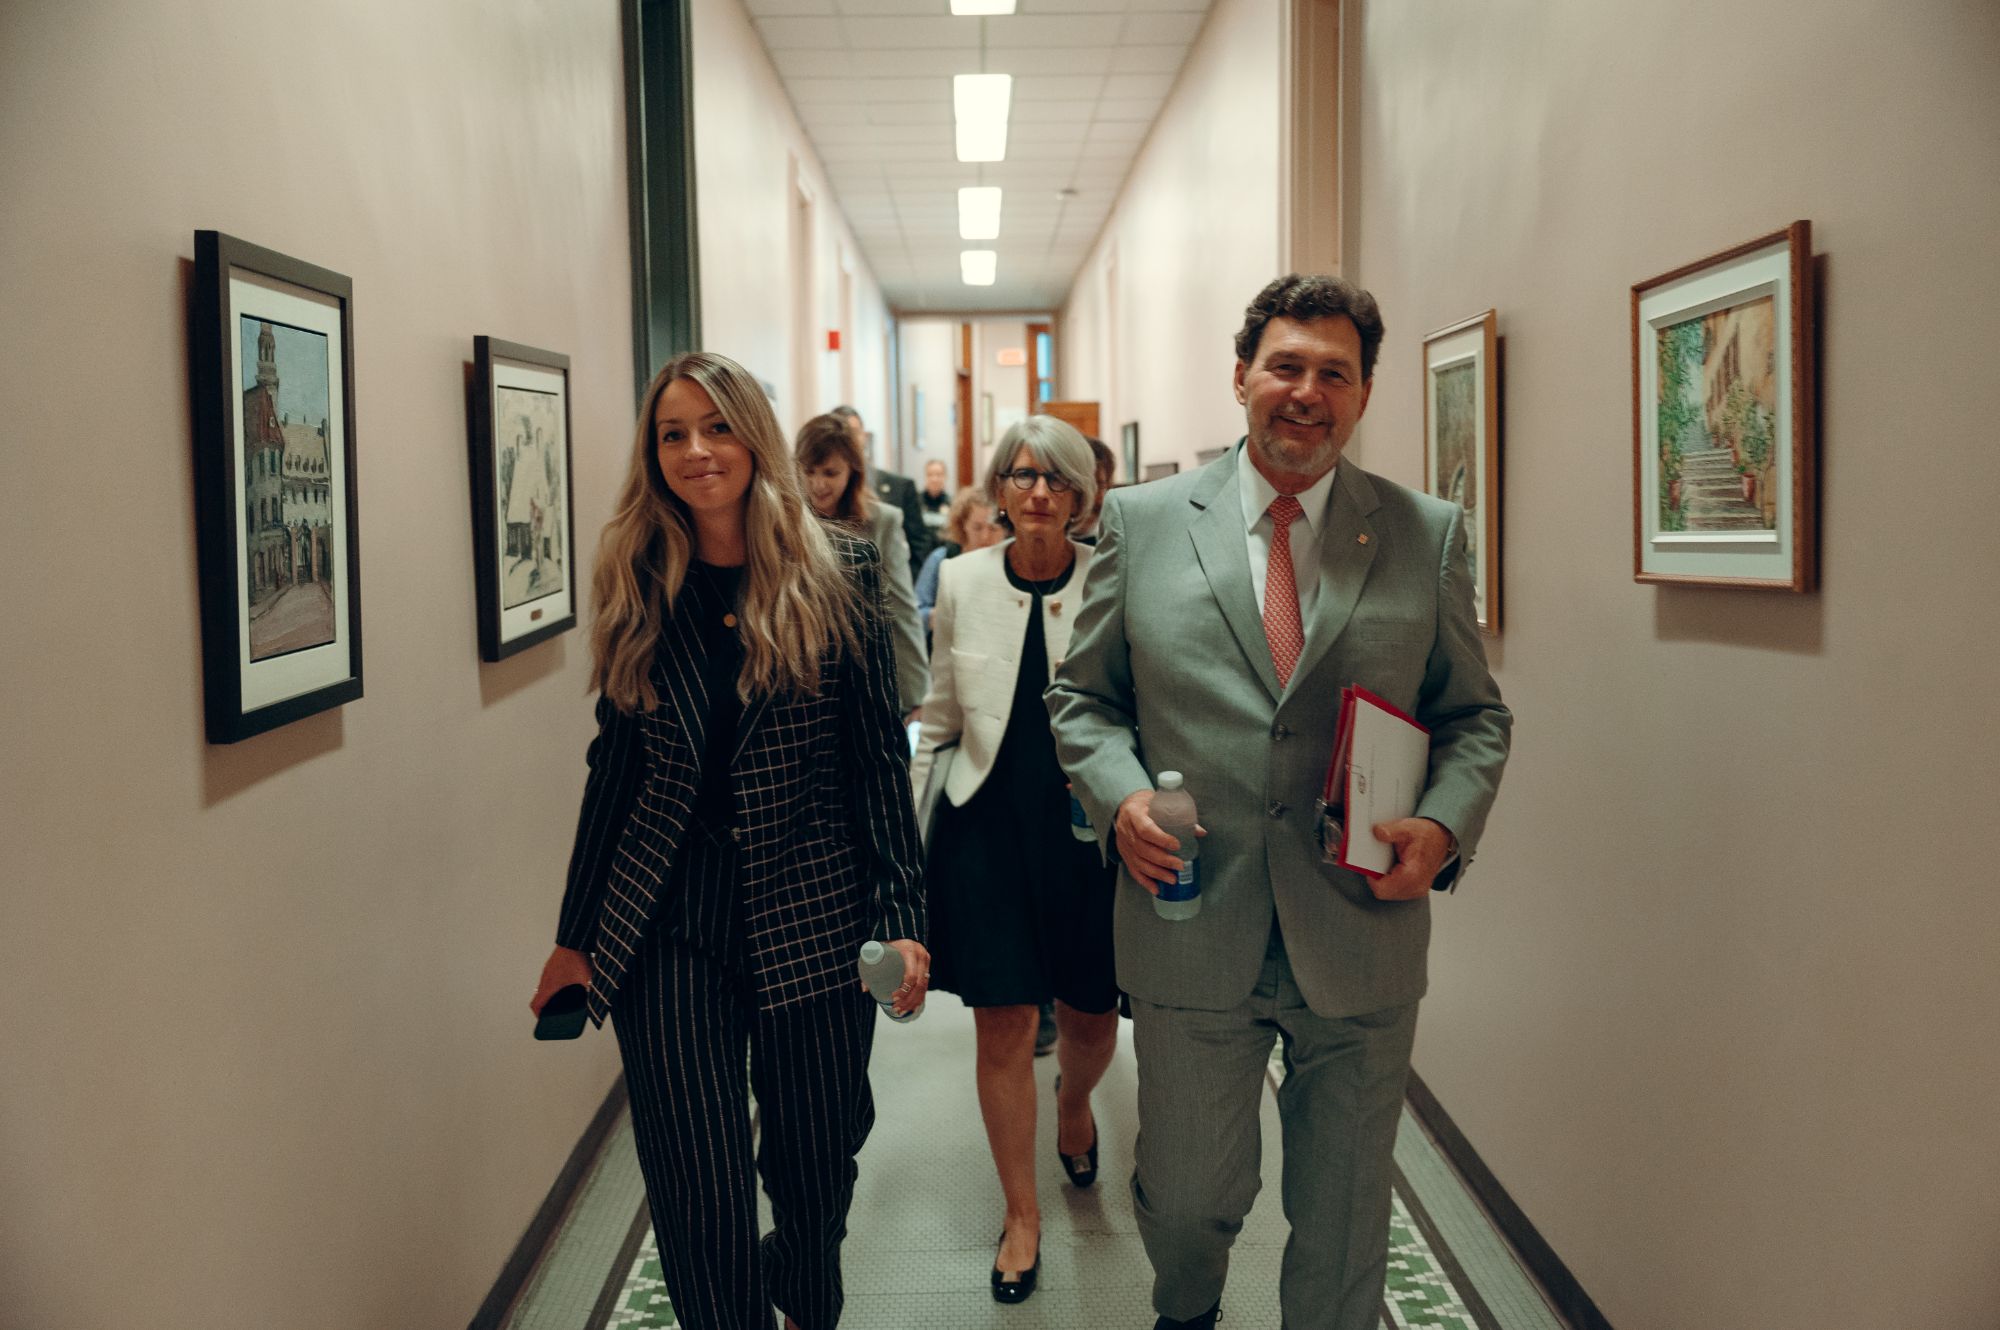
(1020, 908)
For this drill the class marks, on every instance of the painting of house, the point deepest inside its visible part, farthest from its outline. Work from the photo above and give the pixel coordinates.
(288, 502)
(527, 427)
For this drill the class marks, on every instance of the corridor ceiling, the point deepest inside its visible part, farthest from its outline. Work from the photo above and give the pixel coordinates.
(872, 83)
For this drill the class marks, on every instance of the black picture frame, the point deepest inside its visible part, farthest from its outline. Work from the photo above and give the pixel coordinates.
(1128, 438)
(511, 558)
(277, 513)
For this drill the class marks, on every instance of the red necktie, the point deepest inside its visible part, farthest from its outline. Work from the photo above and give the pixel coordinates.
(1282, 628)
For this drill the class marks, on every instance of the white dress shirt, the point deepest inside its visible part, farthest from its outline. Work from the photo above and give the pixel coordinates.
(1257, 494)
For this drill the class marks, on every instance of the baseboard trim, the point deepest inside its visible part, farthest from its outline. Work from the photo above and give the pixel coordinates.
(514, 1275)
(1571, 1302)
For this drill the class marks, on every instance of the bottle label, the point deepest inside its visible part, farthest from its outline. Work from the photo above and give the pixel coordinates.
(1186, 884)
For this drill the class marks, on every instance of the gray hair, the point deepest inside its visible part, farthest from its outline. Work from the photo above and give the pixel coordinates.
(1055, 446)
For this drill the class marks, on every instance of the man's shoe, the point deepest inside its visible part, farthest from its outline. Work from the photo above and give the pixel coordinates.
(1205, 1321)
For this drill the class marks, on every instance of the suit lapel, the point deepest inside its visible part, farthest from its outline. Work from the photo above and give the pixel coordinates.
(1346, 553)
(1222, 547)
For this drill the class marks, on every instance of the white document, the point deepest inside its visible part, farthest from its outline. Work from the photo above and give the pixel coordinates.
(1388, 763)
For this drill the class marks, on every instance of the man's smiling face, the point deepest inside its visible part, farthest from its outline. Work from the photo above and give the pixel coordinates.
(1302, 396)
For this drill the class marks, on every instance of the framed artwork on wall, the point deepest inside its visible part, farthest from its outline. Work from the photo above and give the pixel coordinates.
(275, 508)
(1206, 455)
(1161, 470)
(1462, 445)
(1723, 432)
(523, 527)
(1128, 437)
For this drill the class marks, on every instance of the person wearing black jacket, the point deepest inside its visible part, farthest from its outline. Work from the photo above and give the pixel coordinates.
(746, 825)
(899, 492)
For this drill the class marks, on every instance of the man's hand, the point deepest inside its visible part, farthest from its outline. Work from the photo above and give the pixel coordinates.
(1422, 846)
(1150, 854)
(916, 976)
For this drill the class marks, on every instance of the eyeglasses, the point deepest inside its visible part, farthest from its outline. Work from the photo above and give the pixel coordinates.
(1024, 478)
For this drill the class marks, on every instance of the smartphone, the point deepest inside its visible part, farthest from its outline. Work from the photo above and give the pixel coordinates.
(564, 1014)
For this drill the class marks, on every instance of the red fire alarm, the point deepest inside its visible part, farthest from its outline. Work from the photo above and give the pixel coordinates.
(833, 339)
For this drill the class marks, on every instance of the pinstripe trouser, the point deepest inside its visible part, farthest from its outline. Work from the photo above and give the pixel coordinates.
(683, 1019)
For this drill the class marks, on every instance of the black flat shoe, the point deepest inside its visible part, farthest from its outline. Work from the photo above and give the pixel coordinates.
(1082, 1169)
(1022, 1285)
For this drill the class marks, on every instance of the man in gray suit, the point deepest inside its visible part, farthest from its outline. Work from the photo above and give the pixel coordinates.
(1225, 610)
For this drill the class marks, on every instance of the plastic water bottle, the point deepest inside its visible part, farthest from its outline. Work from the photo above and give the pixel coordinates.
(1079, 821)
(1173, 809)
(882, 971)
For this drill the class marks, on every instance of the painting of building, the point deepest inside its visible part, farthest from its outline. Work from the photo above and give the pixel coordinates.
(288, 503)
(1455, 457)
(527, 426)
(1717, 418)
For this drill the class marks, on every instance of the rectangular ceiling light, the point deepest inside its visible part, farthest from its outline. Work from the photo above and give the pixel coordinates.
(979, 212)
(982, 6)
(975, 266)
(980, 102)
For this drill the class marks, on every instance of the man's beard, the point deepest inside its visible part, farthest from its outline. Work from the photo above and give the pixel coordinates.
(1301, 459)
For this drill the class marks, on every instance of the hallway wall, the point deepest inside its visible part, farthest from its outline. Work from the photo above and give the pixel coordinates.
(1148, 325)
(749, 151)
(1718, 1003)
(266, 1062)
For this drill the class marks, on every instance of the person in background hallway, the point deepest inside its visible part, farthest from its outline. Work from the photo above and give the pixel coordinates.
(1226, 609)
(899, 492)
(1106, 467)
(748, 766)
(972, 523)
(1021, 911)
(836, 477)
(934, 497)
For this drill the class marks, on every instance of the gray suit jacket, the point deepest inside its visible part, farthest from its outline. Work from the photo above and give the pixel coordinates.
(1169, 669)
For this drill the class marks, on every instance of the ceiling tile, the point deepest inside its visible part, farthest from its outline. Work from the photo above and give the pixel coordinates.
(764, 8)
(1047, 112)
(1147, 59)
(906, 33)
(1123, 86)
(1059, 30)
(810, 34)
(1142, 109)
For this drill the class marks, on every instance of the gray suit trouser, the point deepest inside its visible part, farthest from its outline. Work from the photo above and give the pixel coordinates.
(1201, 1078)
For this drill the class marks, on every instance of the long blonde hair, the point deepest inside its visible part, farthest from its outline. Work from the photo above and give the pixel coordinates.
(797, 598)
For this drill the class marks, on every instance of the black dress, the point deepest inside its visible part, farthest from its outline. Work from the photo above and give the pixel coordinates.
(1021, 909)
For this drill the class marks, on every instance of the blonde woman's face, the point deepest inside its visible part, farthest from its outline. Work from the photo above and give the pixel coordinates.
(827, 482)
(706, 466)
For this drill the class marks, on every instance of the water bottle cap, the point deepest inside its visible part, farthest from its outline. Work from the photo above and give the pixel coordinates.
(1170, 780)
(871, 952)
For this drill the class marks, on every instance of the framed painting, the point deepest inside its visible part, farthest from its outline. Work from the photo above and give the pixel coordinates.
(1723, 432)
(523, 518)
(275, 506)
(1161, 470)
(1462, 445)
(1128, 437)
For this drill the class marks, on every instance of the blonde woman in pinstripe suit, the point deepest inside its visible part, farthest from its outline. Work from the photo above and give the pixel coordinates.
(746, 825)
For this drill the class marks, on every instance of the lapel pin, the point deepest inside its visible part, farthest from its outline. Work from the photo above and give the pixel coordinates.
(1362, 538)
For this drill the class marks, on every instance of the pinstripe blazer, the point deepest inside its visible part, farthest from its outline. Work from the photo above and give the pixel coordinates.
(823, 821)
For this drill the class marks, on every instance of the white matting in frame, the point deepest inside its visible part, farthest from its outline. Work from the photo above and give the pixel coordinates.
(1462, 446)
(1723, 438)
(283, 674)
(530, 612)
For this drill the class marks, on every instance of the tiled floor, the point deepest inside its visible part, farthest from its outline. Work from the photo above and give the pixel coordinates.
(927, 1209)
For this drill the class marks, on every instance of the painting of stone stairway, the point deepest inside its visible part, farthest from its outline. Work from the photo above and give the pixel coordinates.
(1717, 408)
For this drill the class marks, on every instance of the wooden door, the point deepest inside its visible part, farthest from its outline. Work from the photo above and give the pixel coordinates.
(1081, 415)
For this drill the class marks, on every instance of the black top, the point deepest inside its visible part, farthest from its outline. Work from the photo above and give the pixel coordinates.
(715, 591)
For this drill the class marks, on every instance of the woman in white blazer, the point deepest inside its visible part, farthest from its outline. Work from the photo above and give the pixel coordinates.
(1020, 906)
